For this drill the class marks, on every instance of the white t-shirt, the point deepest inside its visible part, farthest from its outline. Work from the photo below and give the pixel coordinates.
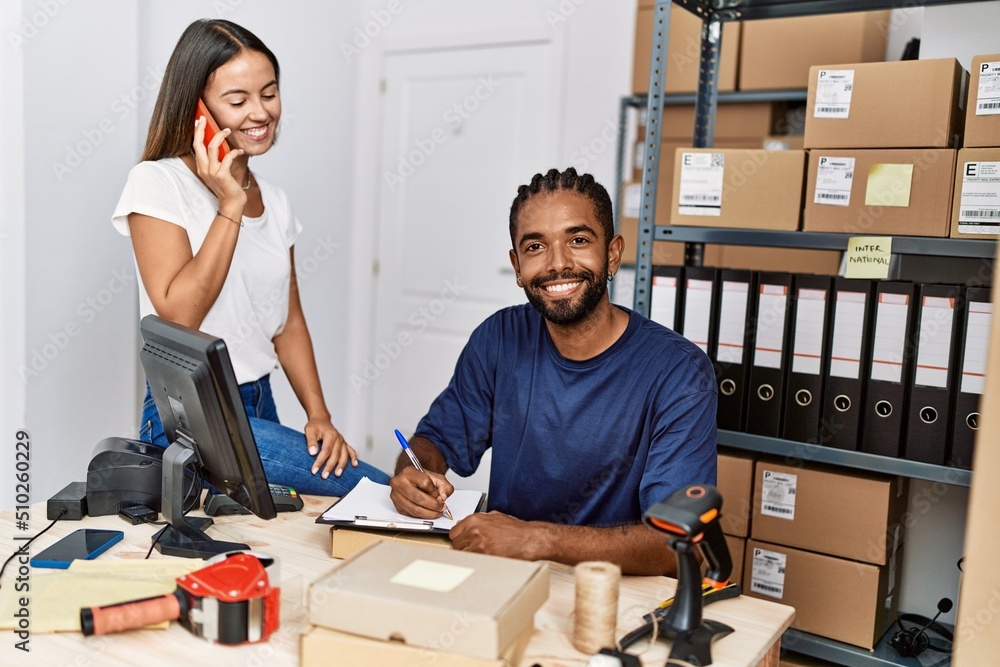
(253, 305)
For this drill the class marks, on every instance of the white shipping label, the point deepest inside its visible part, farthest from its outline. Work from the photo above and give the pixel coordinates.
(890, 337)
(663, 300)
(977, 339)
(778, 494)
(810, 320)
(732, 321)
(640, 155)
(988, 97)
(937, 315)
(979, 212)
(834, 178)
(768, 577)
(848, 335)
(770, 340)
(633, 200)
(701, 184)
(834, 88)
(698, 312)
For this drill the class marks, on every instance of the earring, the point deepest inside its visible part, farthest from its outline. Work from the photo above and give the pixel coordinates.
(519, 282)
(611, 277)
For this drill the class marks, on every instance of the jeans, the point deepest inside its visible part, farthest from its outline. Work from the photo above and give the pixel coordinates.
(282, 450)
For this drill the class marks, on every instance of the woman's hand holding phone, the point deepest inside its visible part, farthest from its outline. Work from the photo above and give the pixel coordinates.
(217, 173)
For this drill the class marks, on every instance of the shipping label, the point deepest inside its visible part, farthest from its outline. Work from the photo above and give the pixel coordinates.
(778, 494)
(834, 179)
(988, 97)
(979, 211)
(834, 88)
(768, 576)
(701, 184)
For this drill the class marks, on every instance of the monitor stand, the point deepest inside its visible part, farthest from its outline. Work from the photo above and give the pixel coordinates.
(182, 536)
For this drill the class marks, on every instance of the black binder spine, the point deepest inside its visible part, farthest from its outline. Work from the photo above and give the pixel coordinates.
(737, 296)
(770, 355)
(810, 351)
(974, 338)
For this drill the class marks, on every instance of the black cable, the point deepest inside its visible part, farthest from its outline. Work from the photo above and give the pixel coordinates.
(22, 550)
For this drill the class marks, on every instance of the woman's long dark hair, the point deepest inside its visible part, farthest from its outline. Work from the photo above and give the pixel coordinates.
(205, 46)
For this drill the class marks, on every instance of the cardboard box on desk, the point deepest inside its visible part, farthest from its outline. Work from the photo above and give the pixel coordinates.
(749, 189)
(853, 514)
(321, 647)
(777, 53)
(345, 542)
(982, 113)
(683, 51)
(417, 594)
(905, 104)
(833, 597)
(976, 207)
(899, 192)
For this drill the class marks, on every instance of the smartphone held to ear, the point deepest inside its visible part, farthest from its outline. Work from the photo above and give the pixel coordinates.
(83, 544)
(211, 128)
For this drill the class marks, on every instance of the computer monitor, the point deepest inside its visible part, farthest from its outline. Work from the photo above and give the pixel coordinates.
(196, 395)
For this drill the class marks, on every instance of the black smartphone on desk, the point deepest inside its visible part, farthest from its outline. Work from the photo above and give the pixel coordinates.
(83, 544)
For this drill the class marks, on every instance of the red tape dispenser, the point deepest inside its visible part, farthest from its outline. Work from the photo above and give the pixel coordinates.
(230, 601)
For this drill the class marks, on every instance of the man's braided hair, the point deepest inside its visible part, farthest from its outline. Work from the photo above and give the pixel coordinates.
(566, 180)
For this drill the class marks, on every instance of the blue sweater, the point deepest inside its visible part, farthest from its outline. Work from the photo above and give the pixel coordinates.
(593, 442)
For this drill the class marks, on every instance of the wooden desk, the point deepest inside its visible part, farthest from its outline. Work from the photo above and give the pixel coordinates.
(303, 548)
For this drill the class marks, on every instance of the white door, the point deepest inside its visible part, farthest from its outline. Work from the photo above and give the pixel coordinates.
(462, 129)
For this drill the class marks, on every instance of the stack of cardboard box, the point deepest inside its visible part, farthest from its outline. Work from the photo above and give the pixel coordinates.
(880, 138)
(735, 483)
(827, 542)
(976, 206)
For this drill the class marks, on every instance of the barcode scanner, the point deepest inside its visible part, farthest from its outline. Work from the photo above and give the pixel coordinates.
(913, 640)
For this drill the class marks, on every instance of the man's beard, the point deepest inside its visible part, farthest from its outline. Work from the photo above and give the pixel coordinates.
(569, 311)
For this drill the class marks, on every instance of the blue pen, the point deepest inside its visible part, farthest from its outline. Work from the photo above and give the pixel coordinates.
(416, 464)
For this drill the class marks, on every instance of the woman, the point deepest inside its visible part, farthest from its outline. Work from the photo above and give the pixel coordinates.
(214, 247)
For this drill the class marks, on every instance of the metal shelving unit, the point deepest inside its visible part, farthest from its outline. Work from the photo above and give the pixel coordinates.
(714, 14)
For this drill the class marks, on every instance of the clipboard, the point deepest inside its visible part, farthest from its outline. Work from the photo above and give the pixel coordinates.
(368, 505)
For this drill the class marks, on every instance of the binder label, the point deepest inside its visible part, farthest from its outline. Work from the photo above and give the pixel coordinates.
(732, 322)
(848, 334)
(810, 320)
(633, 199)
(937, 315)
(768, 576)
(890, 337)
(834, 88)
(977, 336)
(701, 184)
(834, 179)
(770, 338)
(979, 211)
(663, 302)
(988, 97)
(778, 494)
(698, 312)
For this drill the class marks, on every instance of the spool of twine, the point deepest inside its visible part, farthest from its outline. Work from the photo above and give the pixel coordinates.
(596, 613)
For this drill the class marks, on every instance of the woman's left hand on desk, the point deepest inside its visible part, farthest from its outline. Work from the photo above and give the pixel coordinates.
(329, 447)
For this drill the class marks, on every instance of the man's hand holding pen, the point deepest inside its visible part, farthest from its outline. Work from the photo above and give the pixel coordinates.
(420, 494)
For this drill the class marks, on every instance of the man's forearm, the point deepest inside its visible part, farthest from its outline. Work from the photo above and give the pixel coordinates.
(637, 548)
(427, 453)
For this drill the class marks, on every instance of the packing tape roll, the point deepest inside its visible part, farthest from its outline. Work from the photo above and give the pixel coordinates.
(596, 613)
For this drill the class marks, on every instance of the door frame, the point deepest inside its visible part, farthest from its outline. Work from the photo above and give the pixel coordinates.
(364, 244)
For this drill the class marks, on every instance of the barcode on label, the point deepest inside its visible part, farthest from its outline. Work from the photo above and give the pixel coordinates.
(824, 195)
(765, 588)
(705, 198)
(988, 105)
(775, 508)
(995, 213)
(828, 109)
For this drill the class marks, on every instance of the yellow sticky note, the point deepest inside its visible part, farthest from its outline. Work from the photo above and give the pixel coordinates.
(889, 185)
(432, 576)
(868, 257)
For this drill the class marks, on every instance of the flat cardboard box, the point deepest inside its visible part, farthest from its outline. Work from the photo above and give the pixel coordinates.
(683, 51)
(849, 514)
(833, 597)
(904, 104)
(981, 185)
(345, 542)
(777, 53)
(928, 176)
(759, 189)
(733, 120)
(735, 483)
(983, 130)
(387, 592)
(764, 258)
(320, 647)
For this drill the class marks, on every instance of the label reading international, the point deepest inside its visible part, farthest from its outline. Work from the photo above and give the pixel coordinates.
(988, 97)
(701, 184)
(834, 179)
(834, 88)
(778, 494)
(979, 212)
(768, 577)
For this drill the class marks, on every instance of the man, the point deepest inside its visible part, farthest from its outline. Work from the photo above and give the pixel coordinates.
(593, 412)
